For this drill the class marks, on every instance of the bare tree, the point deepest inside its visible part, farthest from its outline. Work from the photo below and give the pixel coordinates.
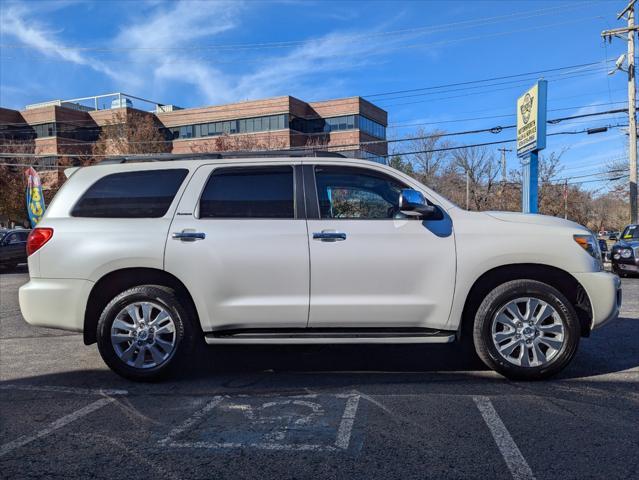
(429, 163)
(12, 180)
(131, 133)
(482, 167)
(239, 143)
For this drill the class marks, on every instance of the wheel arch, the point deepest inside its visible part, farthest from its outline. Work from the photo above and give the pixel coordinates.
(117, 281)
(553, 276)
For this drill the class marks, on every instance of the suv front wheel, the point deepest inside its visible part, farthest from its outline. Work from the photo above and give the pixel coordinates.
(526, 330)
(144, 333)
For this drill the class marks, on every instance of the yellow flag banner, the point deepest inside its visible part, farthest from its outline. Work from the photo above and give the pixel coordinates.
(35, 199)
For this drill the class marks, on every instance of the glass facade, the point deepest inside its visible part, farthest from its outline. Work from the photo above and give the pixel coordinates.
(335, 124)
(280, 122)
(245, 125)
(371, 127)
(64, 130)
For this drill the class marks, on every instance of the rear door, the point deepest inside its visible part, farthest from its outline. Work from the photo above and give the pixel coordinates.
(371, 266)
(239, 243)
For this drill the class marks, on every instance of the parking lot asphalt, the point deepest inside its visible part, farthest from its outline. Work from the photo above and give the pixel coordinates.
(276, 412)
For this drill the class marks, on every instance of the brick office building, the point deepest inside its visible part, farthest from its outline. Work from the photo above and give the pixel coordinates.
(353, 126)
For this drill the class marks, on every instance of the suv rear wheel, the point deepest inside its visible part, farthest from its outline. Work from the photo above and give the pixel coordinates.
(526, 330)
(145, 332)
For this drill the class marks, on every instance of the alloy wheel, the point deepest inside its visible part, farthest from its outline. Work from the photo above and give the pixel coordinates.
(528, 332)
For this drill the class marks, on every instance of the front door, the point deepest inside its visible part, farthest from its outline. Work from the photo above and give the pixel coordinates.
(241, 247)
(372, 266)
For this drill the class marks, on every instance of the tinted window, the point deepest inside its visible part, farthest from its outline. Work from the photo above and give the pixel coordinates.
(352, 193)
(142, 194)
(12, 238)
(249, 193)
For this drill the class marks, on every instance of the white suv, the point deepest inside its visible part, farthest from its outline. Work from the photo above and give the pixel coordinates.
(147, 258)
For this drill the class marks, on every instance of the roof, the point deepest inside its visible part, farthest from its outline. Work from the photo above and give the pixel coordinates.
(166, 157)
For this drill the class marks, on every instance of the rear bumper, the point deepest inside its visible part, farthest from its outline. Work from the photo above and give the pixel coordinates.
(55, 302)
(604, 292)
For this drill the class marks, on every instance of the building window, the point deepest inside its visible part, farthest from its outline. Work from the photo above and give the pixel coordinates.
(229, 127)
(336, 124)
(45, 130)
(371, 127)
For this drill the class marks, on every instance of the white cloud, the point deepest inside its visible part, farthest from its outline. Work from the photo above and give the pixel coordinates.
(164, 46)
(16, 21)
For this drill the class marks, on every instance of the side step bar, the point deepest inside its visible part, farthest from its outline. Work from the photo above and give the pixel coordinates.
(305, 336)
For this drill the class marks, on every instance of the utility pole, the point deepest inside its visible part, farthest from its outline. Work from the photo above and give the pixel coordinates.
(566, 199)
(503, 151)
(503, 162)
(630, 30)
(467, 191)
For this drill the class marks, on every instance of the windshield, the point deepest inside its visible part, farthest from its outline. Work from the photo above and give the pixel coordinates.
(631, 232)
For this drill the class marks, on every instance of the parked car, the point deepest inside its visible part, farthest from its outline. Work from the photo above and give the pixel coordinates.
(625, 253)
(147, 258)
(13, 247)
(603, 246)
(614, 236)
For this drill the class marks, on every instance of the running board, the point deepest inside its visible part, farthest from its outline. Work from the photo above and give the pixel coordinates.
(327, 336)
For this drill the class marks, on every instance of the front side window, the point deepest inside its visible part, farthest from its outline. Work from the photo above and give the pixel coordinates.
(631, 232)
(141, 194)
(356, 193)
(248, 192)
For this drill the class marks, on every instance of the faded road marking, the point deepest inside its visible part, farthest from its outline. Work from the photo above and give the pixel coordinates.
(515, 461)
(192, 420)
(56, 389)
(274, 439)
(59, 423)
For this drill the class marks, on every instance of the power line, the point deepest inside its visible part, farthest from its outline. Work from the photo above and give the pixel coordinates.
(490, 79)
(295, 43)
(494, 130)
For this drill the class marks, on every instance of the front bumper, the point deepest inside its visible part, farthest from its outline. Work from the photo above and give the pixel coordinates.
(55, 302)
(625, 264)
(604, 292)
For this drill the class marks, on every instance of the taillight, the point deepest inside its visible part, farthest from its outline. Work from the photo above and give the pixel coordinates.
(37, 238)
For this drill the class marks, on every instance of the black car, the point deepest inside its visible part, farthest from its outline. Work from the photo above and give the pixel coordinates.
(13, 247)
(625, 253)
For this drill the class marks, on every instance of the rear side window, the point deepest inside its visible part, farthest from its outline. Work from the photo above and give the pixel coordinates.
(264, 192)
(142, 194)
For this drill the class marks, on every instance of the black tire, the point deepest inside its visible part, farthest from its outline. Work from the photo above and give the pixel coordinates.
(185, 332)
(501, 296)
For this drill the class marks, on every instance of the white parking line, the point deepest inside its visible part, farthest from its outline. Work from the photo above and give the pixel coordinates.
(56, 389)
(346, 425)
(59, 423)
(515, 461)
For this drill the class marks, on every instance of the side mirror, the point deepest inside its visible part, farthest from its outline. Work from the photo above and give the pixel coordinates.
(413, 203)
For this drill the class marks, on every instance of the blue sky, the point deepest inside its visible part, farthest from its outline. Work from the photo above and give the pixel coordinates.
(207, 52)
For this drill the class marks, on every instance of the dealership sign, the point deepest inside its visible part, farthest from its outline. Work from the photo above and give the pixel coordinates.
(531, 119)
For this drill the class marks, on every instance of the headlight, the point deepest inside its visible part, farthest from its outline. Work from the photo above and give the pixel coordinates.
(590, 244)
(625, 253)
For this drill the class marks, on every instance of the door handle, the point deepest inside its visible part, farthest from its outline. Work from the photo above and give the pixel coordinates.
(187, 236)
(329, 236)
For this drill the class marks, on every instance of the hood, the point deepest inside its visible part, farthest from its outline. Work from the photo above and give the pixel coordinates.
(627, 243)
(535, 219)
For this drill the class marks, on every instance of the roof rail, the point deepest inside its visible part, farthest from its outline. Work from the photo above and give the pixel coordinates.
(164, 157)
